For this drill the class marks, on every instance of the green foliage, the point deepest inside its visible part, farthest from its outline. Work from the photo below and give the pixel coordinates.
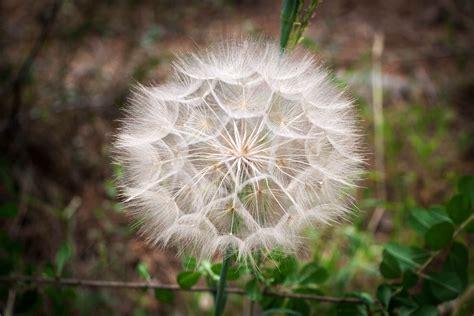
(312, 273)
(416, 278)
(8, 209)
(459, 208)
(142, 270)
(187, 279)
(434, 224)
(64, 253)
(253, 290)
(295, 17)
(466, 187)
(164, 295)
(418, 285)
(280, 311)
(232, 273)
(288, 16)
(420, 269)
(384, 292)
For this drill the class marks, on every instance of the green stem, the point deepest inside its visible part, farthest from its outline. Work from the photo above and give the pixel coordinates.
(220, 298)
(294, 21)
(289, 11)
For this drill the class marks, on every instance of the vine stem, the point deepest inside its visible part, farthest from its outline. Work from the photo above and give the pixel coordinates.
(221, 297)
(33, 281)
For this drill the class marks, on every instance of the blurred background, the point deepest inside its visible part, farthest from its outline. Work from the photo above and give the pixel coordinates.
(66, 69)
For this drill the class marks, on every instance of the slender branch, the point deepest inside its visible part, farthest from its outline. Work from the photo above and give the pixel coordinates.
(379, 141)
(50, 17)
(8, 311)
(70, 282)
(17, 82)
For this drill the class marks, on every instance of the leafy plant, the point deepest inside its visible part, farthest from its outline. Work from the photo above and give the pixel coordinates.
(416, 279)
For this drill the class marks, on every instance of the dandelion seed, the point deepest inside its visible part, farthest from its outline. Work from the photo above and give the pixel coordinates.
(243, 148)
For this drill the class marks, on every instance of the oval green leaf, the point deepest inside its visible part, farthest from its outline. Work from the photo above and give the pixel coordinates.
(425, 310)
(466, 187)
(459, 208)
(187, 279)
(384, 293)
(253, 290)
(8, 209)
(164, 295)
(312, 273)
(142, 270)
(445, 285)
(232, 273)
(439, 235)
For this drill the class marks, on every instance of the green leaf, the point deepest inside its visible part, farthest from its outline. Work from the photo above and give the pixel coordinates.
(64, 253)
(164, 295)
(466, 187)
(384, 293)
(284, 311)
(288, 16)
(269, 302)
(190, 263)
(232, 273)
(435, 224)
(410, 279)
(142, 270)
(363, 296)
(397, 259)
(8, 209)
(187, 279)
(350, 309)
(425, 310)
(422, 220)
(445, 285)
(406, 310)
(457, 259)
(286, 271)
(470, 227)
(459, 208)
(313, 273)
(110, 189)
(389, 267)
(439, 235)
(404, 300)
(253, 290)
(299, 305)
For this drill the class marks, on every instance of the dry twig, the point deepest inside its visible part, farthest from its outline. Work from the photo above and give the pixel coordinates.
(39, 281)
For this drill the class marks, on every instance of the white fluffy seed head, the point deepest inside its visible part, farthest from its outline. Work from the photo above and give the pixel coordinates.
(243, 148)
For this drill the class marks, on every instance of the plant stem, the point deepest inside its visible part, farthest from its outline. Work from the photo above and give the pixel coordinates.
(294, 21)
(220, 297)
(289, 11)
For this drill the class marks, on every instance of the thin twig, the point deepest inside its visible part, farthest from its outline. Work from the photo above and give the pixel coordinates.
(9, 306)
(18, 80)
(377, 100)
(38, 281)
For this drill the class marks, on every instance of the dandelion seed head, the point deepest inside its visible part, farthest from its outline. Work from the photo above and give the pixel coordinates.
(243, 148)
